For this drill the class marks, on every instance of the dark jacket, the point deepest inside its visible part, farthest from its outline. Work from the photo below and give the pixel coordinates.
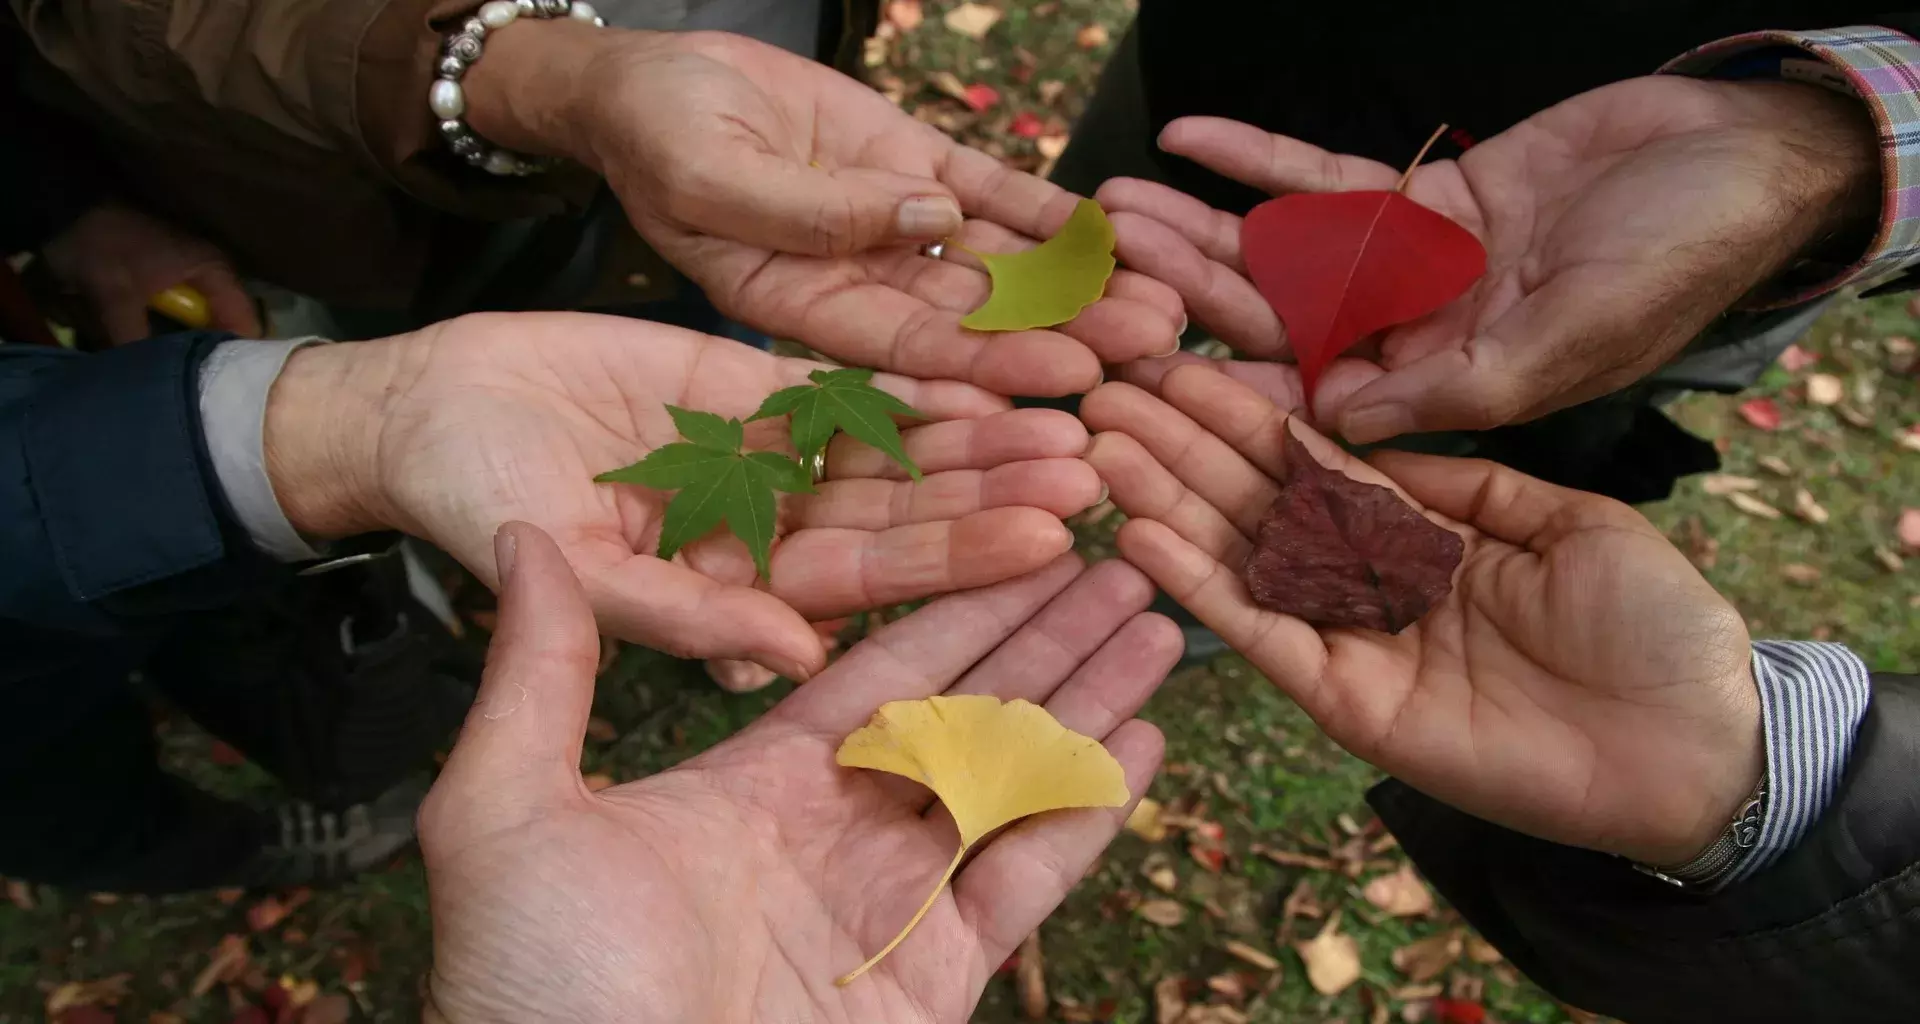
(1829, 933)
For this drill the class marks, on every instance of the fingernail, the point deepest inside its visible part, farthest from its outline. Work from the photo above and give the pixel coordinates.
(927, 217)
(1376, 423)
(504, 543)
(1104, 491)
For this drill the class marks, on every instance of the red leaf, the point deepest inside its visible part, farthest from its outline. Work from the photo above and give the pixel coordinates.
(1458, 1011)
(1793, 359)
(1338, 266)
(252, 1015)
(980, 98)
(84, 1015)
(1027, 126)
(1761, 413)
(1338, 552)
(222, 754)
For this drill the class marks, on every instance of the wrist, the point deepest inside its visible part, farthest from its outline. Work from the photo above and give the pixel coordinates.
(1825, 153)
(534, 91)
(322, 435)
(1728, 779)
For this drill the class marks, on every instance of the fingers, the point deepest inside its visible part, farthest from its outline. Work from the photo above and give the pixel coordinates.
(1278, 383)
(822, 573)
(1216, 295)
(123, 317)
(1019, 877)
(1060, 486)
(229, 307)
(1500, 502)
(1272, 163)
(671, 607)
(936, 399)
(1204, 464)
(1144, 489)
(1214, 233)
(1054, 643)
(774, 202)
(922, 654)
(964, 444)
(520, 747)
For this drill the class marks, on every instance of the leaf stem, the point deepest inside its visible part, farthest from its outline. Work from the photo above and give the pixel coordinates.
(1417, 157)
(847, 979)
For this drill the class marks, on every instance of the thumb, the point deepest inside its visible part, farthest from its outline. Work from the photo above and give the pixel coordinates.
(521, 743)
(778, 204)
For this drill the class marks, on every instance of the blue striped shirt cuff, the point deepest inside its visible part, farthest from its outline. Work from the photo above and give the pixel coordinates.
(1812, 697)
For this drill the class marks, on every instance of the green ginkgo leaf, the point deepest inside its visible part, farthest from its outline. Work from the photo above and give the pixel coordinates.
(843, 399)
(1052, 282)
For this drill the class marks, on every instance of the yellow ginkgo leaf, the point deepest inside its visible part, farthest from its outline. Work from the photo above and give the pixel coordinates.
(990, 763)
(1052, 282)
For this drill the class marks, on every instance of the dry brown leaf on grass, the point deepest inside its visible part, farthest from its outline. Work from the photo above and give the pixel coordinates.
(1889, 559)
(1158, 869)
(1294, 859)
(1401, 894)
(972, 20)
(1776, 465)
(600, 730)
(1718, 484)
(1753, 506)
(1801, 573)
(1251, 954)
(1165, 913)
(1428, 958)
(99, 992)
(1855, 417)
(1910, 438)
(1093, 36)
(228, 963)
(20, 894)
(1332, 959)
(1169, 999)
(1480, 951)
(1825, 389)
(1030, 977)
(1415, 993)
(905, 15)
(1805, 507)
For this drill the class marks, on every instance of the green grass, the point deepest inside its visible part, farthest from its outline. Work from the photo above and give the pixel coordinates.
(1245, 756)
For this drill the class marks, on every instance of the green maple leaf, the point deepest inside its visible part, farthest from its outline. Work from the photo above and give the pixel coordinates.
(1052, 282)
(845, 400)
(717, 483)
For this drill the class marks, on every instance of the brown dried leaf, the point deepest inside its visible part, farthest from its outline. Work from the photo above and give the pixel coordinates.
(1428, 958)
(1753, 506)
(228, 963)
(1030, 977)
(1332, 959)
(600, 730)
(972, 20)
(905, 15)
(1910, 439)
(1228, 986)
(100, 992)
(1145, 821)
(1093, 36)
(1857, 418)
(1702, 548)
(1480, 951)
(1170, 999)
(1401, 894)
(1801, 573)
(1825, 389)
(1776, 465)
(1160, 872)
(20, 894)
(1413, 993)
(596, 782)
(1719, 484)
(1808, 509)
(1292, 859)
(267, 914)
(1165, 913)
(329, 1009)
(949, 84)
(1901, 354)
(1251, 954)
(1888, 558)
(1338, 552)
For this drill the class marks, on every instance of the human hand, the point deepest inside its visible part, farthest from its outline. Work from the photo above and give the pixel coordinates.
(447, 433)
(737, 886)
(1581, 683)
(1618, 224)
(797, 197)
(118, 258)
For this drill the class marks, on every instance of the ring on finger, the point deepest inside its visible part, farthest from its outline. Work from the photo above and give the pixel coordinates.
(934, 250)
(818, 464)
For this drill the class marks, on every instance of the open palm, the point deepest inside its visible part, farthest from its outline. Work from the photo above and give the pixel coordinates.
(1618, 224)
(495, 418)
(1581, 683)
(773, 181)
(739, 885)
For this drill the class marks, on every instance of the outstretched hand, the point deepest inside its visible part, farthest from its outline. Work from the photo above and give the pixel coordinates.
(737, 886)
(450, 432)
(1581, 683)
(1618, 224)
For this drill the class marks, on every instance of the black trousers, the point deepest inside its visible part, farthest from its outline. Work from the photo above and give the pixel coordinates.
(325, 682)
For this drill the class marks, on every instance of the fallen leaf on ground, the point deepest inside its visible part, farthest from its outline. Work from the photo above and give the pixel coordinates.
(596, 782)
(1801, 573)
(1910, 438)
(1294, 859)
(1165, 913)
(1855, 417)
(1901, 356)
(1701, 547)
(1414, 993)
(1825, 389)
(1145, 821)
(1092, 37)
(1753, 506)
(1169, 999)
(1428, 958)
(1908, 530)
(1776, 465)
(1332, 959)
(949, 84)
(1339, 266)
(1158, 869)
(1480, 951)
(228, 963)
(1718, 484)
(905, 14)
(1206, 844)
(1031, 978)
(329, 1009)
(980, 97)
(600, 730)
(1762, 413)
(1251, 954)
(1401, 894)
(1889, 559)
(1808, 509)
(1458, 1011)
(20, 894)
(1793, 359)
(267, 913)
(972, 20)
(1228, 986)
(1052, 282)
(1026, 125)
(989, 763)
(1339, 552)
(103, 991)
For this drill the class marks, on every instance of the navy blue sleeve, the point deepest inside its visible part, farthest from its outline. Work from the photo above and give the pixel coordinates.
(109, 510)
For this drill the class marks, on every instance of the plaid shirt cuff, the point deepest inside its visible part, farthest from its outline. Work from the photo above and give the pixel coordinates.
(1882, 68)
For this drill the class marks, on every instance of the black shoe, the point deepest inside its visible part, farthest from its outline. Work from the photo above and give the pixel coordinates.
(308, 845)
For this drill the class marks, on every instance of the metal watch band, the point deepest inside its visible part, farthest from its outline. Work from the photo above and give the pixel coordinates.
(462, 49)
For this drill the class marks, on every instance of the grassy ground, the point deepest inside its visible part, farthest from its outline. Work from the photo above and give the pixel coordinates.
(1240, 757)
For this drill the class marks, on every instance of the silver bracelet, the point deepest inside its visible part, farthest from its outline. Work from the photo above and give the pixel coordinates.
(1713, 863)
(461, 50)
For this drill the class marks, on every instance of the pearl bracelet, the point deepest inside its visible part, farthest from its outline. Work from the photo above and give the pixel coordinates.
(461, 50)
